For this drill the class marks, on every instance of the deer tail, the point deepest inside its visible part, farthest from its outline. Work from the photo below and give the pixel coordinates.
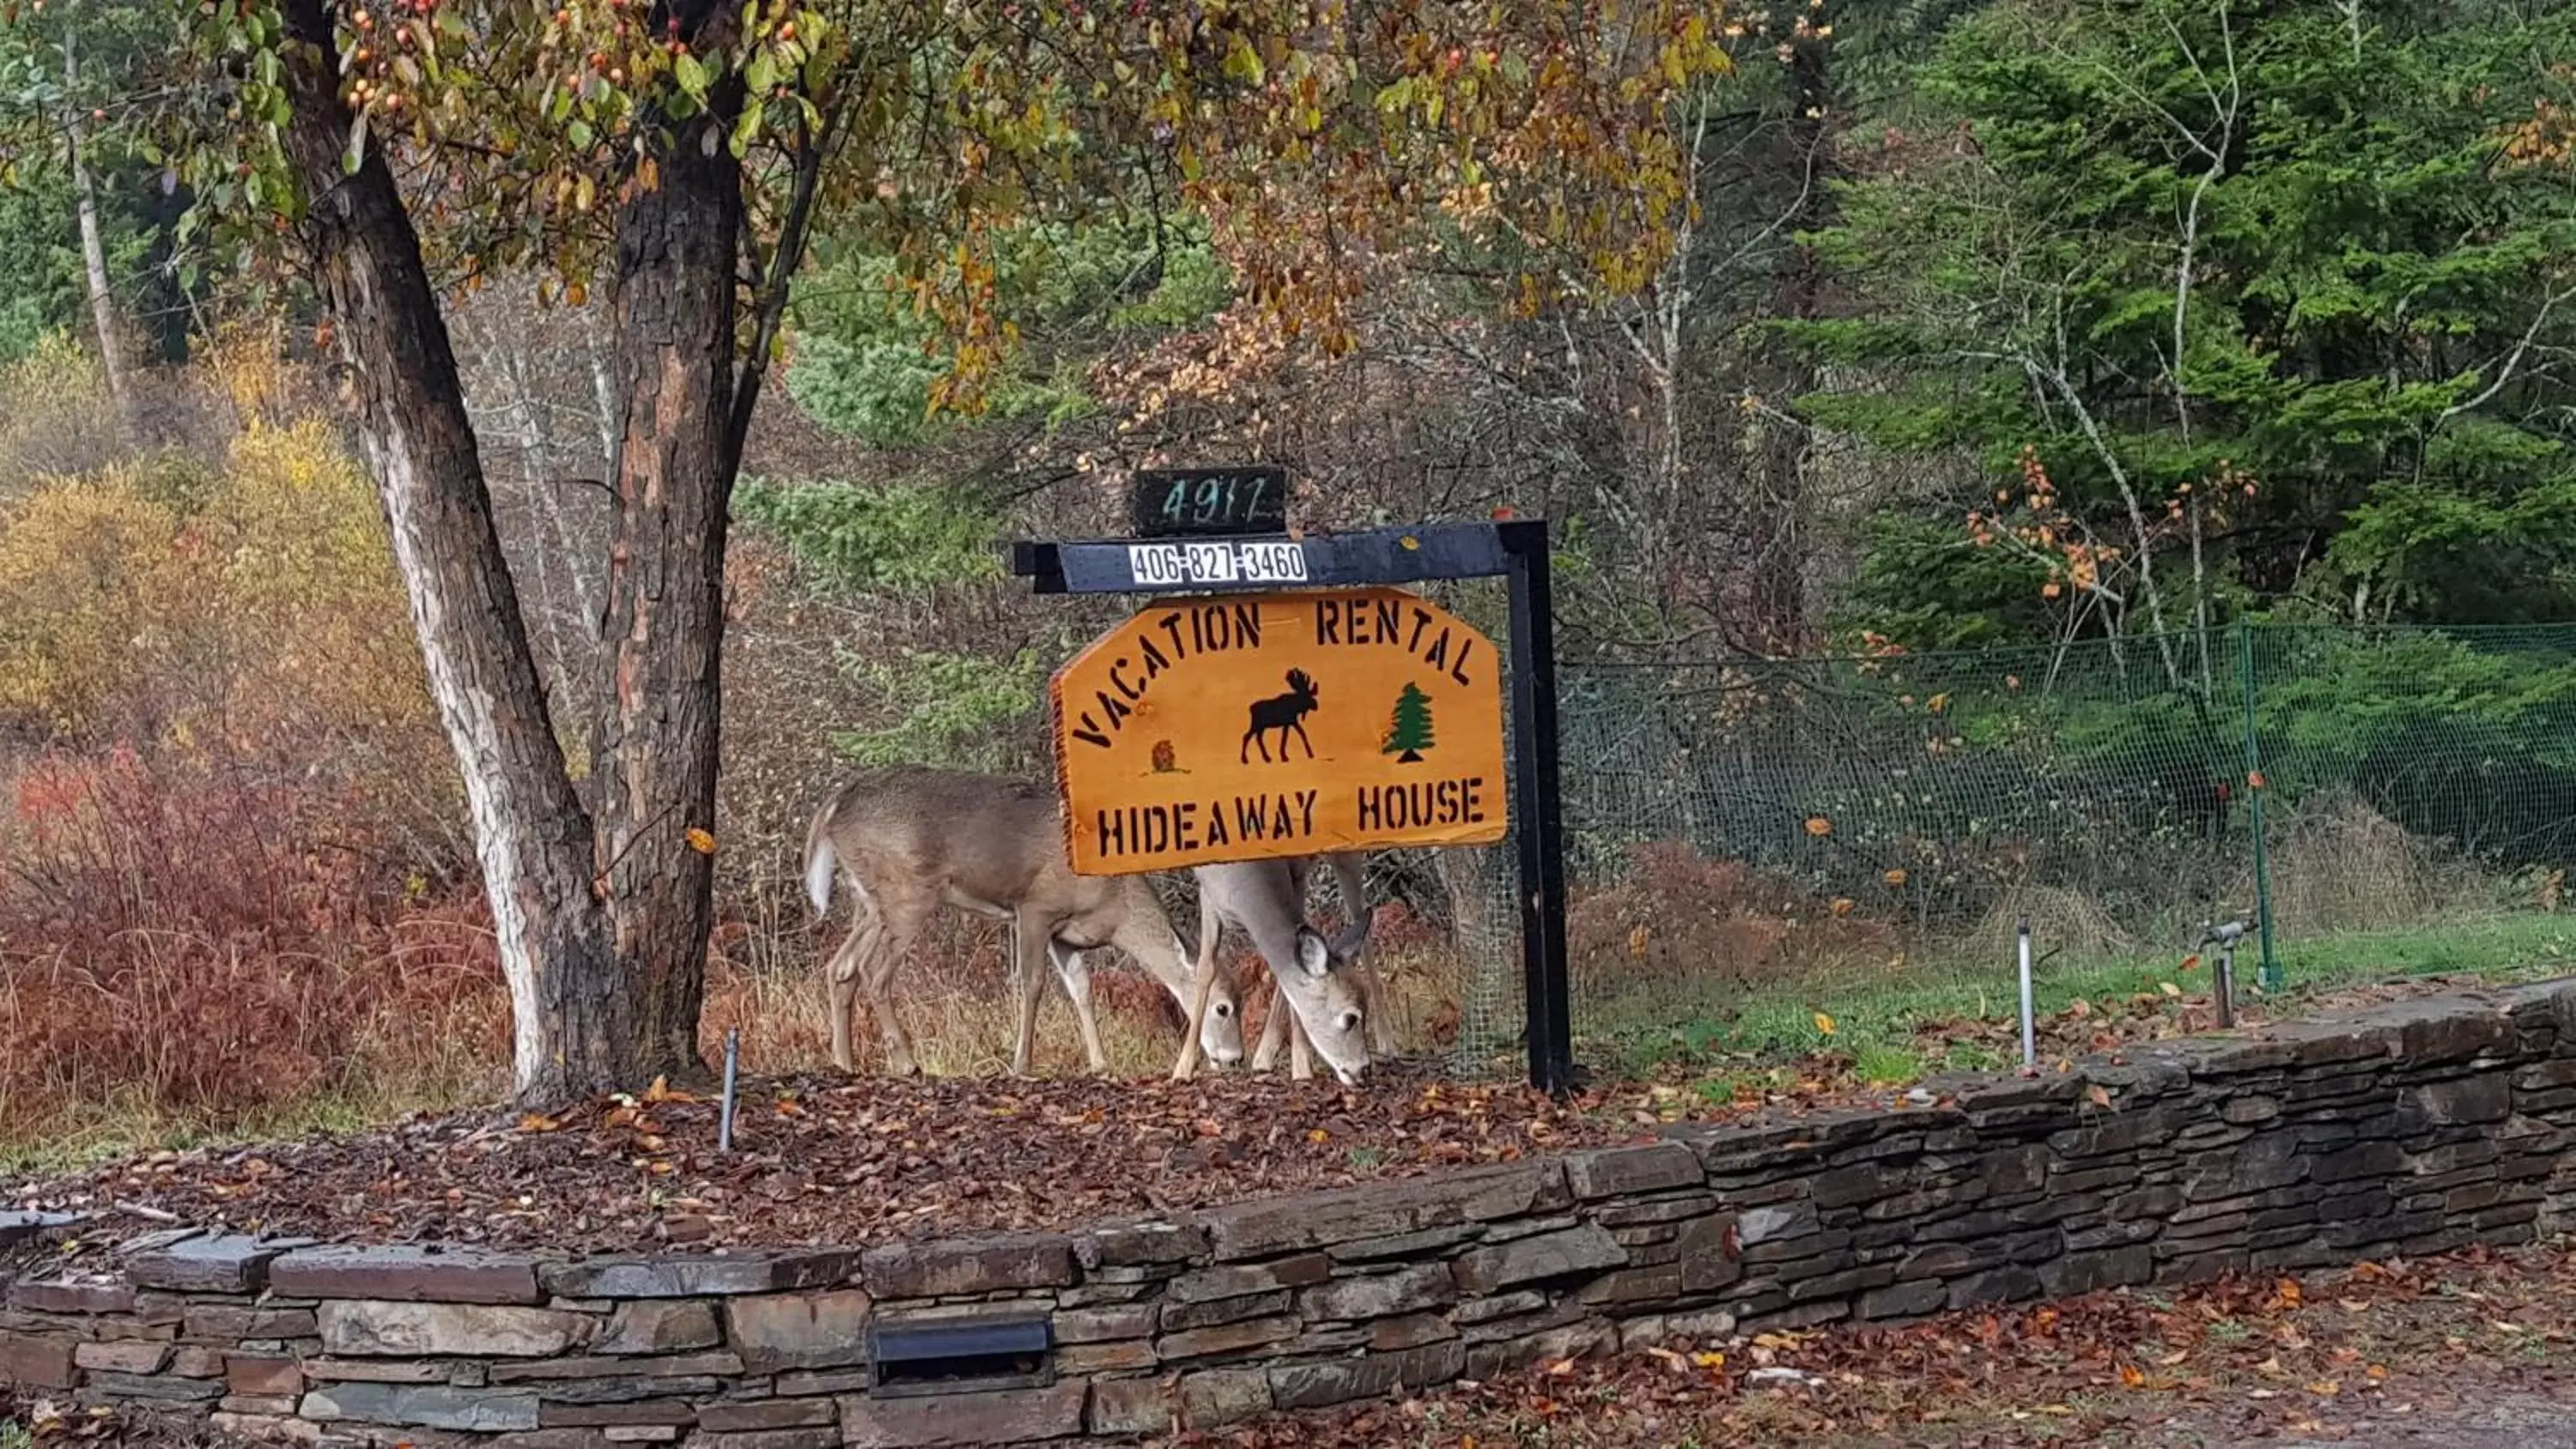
(820, 859)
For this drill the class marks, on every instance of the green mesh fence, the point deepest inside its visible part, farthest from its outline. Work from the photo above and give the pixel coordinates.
(1760, 850)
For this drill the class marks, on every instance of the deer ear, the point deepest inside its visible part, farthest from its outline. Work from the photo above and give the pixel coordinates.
(1313, 956)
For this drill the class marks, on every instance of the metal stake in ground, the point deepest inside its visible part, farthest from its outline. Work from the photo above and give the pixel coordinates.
(2227, 984)
(2029, 1024)
(733, 1060)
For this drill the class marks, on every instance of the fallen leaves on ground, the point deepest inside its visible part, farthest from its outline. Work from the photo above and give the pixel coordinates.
(2110, 1022)
(844, 1161)
(2227, 1362)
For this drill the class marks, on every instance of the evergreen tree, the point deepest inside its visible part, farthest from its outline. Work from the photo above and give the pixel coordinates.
(1410, 731)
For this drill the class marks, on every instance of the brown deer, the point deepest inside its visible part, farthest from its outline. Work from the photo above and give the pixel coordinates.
(909, 840)
(1281, 712)
(1327, 989)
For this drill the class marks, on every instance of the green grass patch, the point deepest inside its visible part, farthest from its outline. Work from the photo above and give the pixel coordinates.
(1875, 1016)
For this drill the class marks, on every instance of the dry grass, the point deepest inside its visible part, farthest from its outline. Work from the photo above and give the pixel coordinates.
(2342, 866)
(2066, 920)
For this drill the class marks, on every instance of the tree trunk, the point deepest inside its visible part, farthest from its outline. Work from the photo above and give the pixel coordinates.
(571, 999)
(1781, 511)
(655, 751)
(102, 302)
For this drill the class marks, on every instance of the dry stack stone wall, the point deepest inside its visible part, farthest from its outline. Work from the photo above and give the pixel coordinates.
(2413, 1129)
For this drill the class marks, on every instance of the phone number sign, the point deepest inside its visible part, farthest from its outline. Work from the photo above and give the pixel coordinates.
(1207, 730)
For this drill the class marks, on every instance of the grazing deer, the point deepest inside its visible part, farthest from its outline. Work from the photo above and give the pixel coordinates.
(1327, 989)
(1281, 712)
(909, 840)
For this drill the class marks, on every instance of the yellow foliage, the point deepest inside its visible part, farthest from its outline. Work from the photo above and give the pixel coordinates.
(86, 575)
(271, 607)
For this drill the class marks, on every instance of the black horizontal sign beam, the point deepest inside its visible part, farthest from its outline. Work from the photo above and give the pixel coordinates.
(1273, 561)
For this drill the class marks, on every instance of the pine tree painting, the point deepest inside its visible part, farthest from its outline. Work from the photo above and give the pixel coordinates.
(1410, 730)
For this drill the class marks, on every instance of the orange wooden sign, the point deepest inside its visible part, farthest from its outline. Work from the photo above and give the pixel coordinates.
(1241, 728)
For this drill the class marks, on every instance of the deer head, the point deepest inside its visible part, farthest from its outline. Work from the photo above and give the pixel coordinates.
(1302, 685)
(1328, 1002)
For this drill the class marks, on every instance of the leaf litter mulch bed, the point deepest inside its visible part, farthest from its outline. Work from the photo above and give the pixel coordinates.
(841, 1161)
(2415, 1354)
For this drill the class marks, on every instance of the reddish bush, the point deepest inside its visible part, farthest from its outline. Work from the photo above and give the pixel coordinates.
(184, 946)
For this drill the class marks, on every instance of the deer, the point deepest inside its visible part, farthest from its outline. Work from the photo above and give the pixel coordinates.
(1281, 712)
(910, 839)
(1328, 989)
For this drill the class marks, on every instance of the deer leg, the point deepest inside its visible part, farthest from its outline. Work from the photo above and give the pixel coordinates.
(901, 921)
(1031, 940)
(841, 980)
(1381, 1019)
(1275, 1021)
(1202, 986)
(1076, 976)
(1301, 1052)
(1300, 728)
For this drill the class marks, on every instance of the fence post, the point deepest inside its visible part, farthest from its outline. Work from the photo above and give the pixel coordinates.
(2254, 792)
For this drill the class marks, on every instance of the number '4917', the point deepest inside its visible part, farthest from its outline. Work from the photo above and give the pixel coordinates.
(1209, 500)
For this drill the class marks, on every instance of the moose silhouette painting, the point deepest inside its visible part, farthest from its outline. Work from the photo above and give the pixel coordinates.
(1284, 713)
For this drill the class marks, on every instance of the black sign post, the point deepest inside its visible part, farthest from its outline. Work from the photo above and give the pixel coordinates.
(1216, 554)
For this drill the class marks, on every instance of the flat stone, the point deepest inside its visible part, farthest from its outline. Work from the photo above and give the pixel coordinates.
(124, 1358)
(1404, 1245)
(631, 1389)
(1104, 1325)
(659, 1325)
(1501, 1305)
(215, 1263)
(396, 1329)
(968, 1266)
(1217, 1397)
(767, 1414)
(1178, 1316)
(1315, 1385)
(721, 1364)
(430, 1406)
(73, 1293)
(698, 1276)
(1011, 1416)
(37, 1363)
(1905, 1300)
(1995, 1285)
(643, 1411)
(250, 1373)
(1583, 1249)
(155, 1388)
(1269, 1227)
(407, 1275)
(334, 1370)
(1587, 1338)
(1410, 1289)
(2486, 1097)
(1130, 1408)
(1239, 1280)
(18, 1227)
(1710, 1252)
(232, 1322)
(1128, 1356)
(1412, 1330)
(1139, 1244)
(799, 1330)
(1629, 1171)
(1229, 1338)
(761, 1439)
(2079, 1273)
